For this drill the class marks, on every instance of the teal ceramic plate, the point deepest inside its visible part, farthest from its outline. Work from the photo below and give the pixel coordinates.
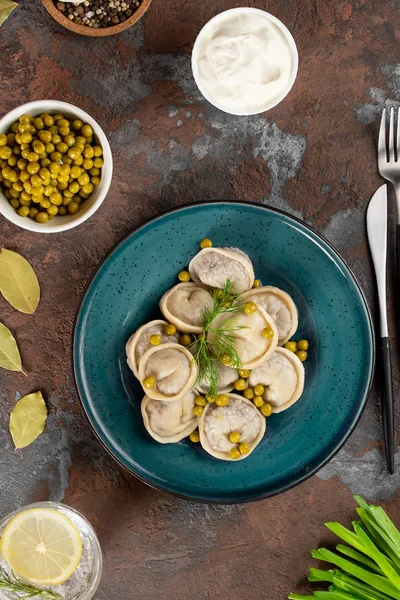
(333, 316)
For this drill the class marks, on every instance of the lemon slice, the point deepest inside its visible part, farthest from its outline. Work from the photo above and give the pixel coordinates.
(42, 546)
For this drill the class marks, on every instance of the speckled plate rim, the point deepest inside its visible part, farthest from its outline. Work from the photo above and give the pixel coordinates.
(296, 480)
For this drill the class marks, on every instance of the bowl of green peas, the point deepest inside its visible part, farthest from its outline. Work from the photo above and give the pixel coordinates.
(55, 166)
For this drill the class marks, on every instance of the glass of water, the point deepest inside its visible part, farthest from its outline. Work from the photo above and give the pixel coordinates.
(85, 580)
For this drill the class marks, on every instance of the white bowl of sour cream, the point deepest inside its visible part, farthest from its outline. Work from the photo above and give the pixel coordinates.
(244, 61)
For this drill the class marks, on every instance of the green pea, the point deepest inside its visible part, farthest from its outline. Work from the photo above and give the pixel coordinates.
(42, 217)
(23, 211)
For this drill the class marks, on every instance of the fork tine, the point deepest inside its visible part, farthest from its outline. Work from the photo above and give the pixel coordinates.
(382, 138)
(398, 136)
(392, 157)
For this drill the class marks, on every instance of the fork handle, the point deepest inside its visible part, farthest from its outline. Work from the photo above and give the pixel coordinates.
(387, 403)
(398, 256)
(397, 194)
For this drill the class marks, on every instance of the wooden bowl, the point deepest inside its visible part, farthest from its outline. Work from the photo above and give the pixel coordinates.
(91, 31)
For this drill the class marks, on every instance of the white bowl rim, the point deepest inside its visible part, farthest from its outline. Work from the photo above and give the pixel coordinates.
(51, 226)
(289, 37)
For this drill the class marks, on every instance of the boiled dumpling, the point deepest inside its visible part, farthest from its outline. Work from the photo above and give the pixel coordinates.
(173, 369)
(214, 266)
(169, 422)
(252, 347)
(282, 376)
(226, 377)
(217, 422)
(139, 343)
(184, 304)
(280, 306)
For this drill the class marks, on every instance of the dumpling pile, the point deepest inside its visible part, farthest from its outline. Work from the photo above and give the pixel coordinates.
(223, 406)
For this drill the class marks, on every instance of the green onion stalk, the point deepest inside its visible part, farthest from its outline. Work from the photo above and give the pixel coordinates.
(367, 566)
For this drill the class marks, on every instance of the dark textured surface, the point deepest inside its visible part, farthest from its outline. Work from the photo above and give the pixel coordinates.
(314, 156)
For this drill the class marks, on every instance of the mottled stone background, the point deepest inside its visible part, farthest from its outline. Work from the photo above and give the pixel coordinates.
(313, 156)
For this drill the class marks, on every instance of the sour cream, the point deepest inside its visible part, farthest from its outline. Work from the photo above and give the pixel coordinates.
(244, 61)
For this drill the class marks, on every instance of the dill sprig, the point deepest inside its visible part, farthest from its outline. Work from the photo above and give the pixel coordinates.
(10, 583)
(208, 356)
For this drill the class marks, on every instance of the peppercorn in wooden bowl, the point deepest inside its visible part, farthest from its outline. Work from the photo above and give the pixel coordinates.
(97, 18)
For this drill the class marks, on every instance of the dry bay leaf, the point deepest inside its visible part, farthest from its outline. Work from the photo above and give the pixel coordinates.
(28, 419)
(10, 357)
(18, 282)
(6, 8)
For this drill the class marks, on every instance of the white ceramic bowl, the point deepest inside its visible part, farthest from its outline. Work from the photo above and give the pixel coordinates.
(89, 206)
(285, 31)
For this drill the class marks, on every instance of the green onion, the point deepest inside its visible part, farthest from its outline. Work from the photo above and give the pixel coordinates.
(320, 575)
(334, 594)
(368, 567)
(364, 560)
(348, 583)
(376, 581)
(300, 597)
